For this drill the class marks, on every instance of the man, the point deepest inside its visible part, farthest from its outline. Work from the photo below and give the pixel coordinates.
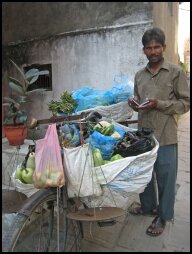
(165, 88)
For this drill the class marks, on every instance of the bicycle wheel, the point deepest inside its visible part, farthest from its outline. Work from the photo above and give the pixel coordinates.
(42, 226)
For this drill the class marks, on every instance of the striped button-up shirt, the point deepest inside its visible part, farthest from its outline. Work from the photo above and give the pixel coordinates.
(169, 86)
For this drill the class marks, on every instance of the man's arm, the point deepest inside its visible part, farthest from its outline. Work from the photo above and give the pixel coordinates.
(181, 104)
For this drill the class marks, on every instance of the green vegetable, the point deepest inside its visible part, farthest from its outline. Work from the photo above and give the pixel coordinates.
(116, 157)
(106, 161)
(97, 157)
(108, 130)
(66, 104)
(97, 128)
(104, 128)
(102, 124)
(116, 135)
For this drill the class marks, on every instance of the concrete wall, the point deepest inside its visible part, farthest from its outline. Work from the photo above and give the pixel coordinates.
(106, 41)
(91, 59)
(165, 16)
(25, 21)
(87, 43)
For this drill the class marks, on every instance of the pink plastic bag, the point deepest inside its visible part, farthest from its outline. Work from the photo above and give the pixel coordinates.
(48, 161)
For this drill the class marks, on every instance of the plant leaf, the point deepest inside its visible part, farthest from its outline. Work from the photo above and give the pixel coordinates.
(22, 116)
(36, 90)
(16, 87)
(33, 79)
(22, 99)
(43, 72)
(31, 73)
(35, 72)
(15, 81)
(6, 104)
(7, 99)
(19, 69)
(9, 116)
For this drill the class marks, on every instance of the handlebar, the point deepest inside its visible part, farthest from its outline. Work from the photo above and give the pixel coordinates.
(92, 116)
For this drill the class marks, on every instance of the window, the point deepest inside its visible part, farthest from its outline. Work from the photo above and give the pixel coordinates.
(44, 81)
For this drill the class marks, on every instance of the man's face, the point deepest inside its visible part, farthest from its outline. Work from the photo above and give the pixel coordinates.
(154, 51)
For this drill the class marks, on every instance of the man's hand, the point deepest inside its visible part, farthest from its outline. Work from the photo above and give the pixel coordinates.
(151, 104)
(132, 104)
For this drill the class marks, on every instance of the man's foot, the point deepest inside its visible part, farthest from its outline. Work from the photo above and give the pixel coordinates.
(156, 228)
(135, 209)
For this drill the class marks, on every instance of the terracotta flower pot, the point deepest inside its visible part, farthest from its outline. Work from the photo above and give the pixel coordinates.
(15, 134)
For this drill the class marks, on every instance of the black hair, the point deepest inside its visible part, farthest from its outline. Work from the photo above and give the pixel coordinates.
(154, 33)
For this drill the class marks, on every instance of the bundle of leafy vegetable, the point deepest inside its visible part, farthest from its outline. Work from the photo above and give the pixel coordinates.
(66, 104)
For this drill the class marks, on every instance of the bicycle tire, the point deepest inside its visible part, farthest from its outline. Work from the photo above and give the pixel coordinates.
(34, 228)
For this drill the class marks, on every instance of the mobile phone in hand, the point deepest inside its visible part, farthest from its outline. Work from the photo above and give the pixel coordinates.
(144, 103)
(136, 103)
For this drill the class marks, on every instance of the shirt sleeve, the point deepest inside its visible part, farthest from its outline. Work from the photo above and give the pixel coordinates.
(181, 103)
(136, 94)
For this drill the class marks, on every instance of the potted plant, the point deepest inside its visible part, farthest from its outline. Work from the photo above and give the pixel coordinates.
(15, 115)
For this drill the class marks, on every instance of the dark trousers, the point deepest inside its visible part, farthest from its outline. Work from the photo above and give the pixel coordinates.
(165, 169)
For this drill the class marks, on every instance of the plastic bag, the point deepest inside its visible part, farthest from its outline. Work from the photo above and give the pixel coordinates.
(122, 88)
(143, 143)
(27, 189)
(120, 130)
(82, 92)
(80, 172)
(120, 179)
(90, 98)
(104, 143)
(48, 161)
(118, 112)
(70, 135)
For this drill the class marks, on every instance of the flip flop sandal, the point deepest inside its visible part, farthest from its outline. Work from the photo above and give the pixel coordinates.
(156, 223)
(135, 209)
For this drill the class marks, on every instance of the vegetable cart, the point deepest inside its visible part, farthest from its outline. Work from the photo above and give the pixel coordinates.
(52, 217)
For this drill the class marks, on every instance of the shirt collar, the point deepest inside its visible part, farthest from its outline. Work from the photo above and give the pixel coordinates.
(164, 65)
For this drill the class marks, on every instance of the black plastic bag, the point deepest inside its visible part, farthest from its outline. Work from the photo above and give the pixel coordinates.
(138, 142)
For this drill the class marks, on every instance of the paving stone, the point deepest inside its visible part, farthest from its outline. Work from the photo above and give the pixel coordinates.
(90, 246)
(105, 236)
(182, 210)
(178, 239)
(134, 237)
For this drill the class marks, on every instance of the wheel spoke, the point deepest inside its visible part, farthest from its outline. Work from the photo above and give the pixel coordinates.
(38, 231)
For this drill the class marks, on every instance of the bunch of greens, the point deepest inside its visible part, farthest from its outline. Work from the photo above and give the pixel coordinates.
(66, 104)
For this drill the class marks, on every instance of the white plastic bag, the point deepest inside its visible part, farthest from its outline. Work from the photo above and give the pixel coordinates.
(120, 178)
(130, 169)
(27, 189)
(117, 112)
(80, 173)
